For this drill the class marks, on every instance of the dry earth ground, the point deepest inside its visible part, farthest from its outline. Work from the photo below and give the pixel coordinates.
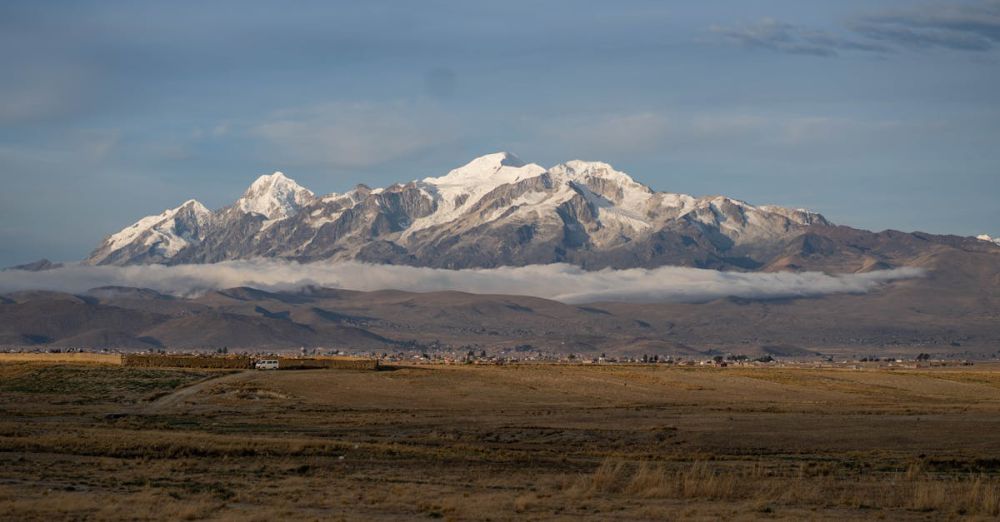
(476, 442)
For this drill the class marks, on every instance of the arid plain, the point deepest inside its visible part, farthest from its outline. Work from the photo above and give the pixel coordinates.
(94, 441)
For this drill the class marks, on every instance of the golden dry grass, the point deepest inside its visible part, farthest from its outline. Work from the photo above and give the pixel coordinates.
(518, 442)
(914, 490)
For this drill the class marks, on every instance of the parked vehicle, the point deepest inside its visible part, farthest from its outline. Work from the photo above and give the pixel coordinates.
(267, 364)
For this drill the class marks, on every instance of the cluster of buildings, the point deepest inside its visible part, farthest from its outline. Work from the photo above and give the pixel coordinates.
(519, 355)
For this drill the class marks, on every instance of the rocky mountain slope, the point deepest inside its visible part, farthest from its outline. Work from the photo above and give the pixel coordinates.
(496, 210)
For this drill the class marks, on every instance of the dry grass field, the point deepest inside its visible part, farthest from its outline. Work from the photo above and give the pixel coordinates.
(516, 442)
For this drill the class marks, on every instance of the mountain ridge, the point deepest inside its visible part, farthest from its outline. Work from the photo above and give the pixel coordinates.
(497, 210)
(953, 313)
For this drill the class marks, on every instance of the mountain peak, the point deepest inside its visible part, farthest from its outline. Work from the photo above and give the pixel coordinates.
(276, 178)
(488, 164)
(597, 169)
(40, 265)
(989, 239)
(195, 206)
(500, 159)
(163, 234)
(603, 179)
(274, 196)
(491, 169)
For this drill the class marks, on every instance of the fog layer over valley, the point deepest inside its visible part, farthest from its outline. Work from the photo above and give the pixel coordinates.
(560, 282)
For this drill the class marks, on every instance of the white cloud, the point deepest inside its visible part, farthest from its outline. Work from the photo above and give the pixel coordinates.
(560, 282)
(353, 134)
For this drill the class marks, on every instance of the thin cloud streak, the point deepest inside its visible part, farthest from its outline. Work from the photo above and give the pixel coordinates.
(560, 282)
(788, 38)
(972, 26)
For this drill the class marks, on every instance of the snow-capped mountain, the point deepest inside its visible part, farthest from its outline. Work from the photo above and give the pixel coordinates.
(989, 239)
(156, 239)
(496, 210)
(275, 197)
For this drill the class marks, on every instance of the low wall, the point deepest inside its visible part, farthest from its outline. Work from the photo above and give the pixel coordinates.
(245, 362)
(186, 361)
(71, 357)
(294, 363)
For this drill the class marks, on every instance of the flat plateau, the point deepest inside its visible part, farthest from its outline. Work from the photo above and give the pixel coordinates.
(544, 441)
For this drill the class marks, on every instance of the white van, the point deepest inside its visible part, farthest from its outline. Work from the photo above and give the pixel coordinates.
(267, 364)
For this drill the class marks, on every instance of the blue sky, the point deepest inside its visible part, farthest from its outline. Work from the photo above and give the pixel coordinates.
(876, 114)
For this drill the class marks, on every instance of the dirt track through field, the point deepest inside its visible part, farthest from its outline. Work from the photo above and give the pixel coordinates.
(179, 395)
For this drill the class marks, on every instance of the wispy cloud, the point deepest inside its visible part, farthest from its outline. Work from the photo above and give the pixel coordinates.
(961, 27)
(965, 27)
(789, 38)
(560, 282)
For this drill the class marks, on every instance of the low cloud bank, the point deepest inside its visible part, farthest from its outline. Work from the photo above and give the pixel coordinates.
(561, 282)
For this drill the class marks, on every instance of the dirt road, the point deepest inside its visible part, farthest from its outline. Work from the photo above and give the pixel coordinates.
(179, 395)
